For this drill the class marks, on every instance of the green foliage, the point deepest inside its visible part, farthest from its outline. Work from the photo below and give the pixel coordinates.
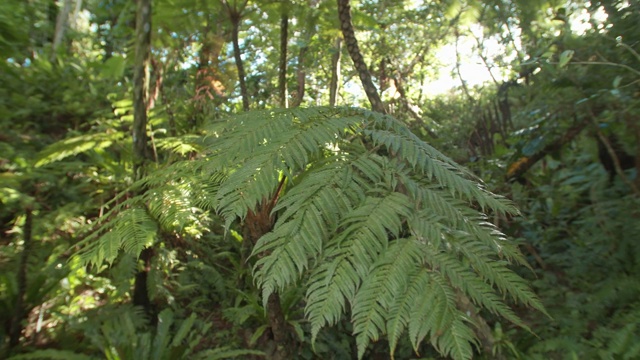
(77, 145)
(594, 228)
(52, 354)
(120, 335)
(372, 219)
(373, 234)
(119, 338)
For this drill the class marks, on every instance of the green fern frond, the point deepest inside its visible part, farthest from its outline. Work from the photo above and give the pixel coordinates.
(431, 315)
(377, 295)
(130, 230)
(179, 145)
(435, 166)
(456, 342)
(330, 285)
(345, 216)
(172, 205)
(77, 145)
(247, 186)
(327, 191)
(371, 218)
(473, 284)
(191, 184)
(173, 198)
(367, 228)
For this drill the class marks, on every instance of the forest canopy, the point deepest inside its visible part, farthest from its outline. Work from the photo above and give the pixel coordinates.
(309, 179)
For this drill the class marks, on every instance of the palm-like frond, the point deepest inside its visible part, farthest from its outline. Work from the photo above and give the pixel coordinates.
(77, 145)
(131, 230)
(173, 198)
(358, 184)
(372, 219)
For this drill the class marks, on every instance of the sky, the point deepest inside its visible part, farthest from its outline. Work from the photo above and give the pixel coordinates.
(472, 69)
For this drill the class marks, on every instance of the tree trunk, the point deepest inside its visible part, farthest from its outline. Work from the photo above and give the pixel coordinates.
(463, 82)
(282, 72)
(76, 13)
(235, 22)
(256, 224)
(344, 11)
(301, 76)
(209, 84)
(522, 165)
(141, 84)
(310, 29)
(141, 151)
(334, 86)
(280, 330)
(158, 73)
(61, 24)
(140, 295)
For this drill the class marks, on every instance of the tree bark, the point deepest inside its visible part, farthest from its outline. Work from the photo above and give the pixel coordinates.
(334, 86)
(256, 224)
(521, 166)
(282, 71)
(241, 74)
(301, 76)
(344, 11)
(158, 72)
(76, 12)
(61, 24)
(235, 16)
(141, 85)
(310, 22)
(209, 84)
(141, 150)
(279, 329)
(463, 82)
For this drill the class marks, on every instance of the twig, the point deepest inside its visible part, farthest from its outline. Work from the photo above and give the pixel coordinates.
(614, 157)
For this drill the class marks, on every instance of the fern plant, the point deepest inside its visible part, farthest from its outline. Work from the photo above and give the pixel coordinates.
(121, 336)
(376, 223)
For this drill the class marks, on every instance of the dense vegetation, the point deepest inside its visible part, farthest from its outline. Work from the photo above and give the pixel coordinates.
(201, 180)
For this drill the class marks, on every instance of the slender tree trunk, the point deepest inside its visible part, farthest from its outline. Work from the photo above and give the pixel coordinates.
(334, 86)
(140, 295)
(309, 31)
(141, 84)
(153, 96)
(158, 73)
(301, 76)
(19, 311)
(463, 82)
(282, 73)
(344, 11)
(141, 150)
(76, 13)
(235, 22)
(61, 24)
(209, 84)
(52, 18)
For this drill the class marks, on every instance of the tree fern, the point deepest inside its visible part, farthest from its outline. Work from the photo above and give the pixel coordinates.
(373, 220)
(367, 227)
(176, 199)
(131, 230)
